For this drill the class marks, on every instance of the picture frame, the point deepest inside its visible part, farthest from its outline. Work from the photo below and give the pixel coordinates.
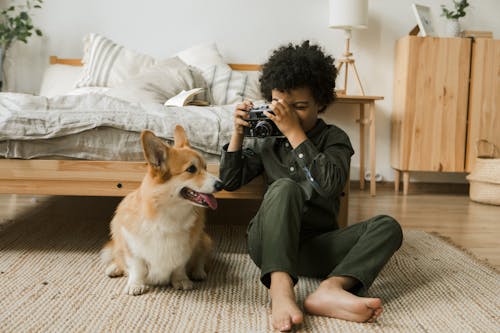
(424, 20)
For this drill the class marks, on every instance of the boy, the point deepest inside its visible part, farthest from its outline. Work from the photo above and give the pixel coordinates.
(295, 231)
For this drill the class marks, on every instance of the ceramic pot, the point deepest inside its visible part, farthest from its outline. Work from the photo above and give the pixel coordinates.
(453, 28)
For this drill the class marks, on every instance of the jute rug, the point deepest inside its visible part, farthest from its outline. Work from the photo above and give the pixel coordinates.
(52, 281)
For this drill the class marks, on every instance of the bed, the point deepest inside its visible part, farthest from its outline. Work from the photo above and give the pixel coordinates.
(105, 174)
(92, 177)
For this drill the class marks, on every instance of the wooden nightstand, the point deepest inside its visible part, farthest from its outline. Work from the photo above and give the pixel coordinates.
(370, 121)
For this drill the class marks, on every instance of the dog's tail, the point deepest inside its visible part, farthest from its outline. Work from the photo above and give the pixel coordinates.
(107, 253)
(114, 267)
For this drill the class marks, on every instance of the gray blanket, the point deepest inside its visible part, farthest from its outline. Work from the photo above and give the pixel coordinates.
(28, 117)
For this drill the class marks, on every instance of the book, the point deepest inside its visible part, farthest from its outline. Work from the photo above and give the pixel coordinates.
(186, 98)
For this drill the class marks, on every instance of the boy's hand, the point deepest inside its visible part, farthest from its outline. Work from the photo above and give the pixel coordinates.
(239, 116)
(287, 120)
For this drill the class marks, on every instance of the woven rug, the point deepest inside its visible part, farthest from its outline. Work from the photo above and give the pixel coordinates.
(52, 281)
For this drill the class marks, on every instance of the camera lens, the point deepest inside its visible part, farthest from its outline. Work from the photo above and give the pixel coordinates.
(263, 129)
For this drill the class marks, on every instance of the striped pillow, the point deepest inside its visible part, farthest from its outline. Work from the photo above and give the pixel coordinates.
(226, 86)
(106, 64)
(252, 92)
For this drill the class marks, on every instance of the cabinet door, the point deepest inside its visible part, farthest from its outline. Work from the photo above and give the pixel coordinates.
(484, 100)
(433, 124)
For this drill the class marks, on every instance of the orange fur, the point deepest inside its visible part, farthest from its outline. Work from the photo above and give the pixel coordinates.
(157, 235)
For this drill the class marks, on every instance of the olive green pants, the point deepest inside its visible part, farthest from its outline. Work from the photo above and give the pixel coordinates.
(281, 238)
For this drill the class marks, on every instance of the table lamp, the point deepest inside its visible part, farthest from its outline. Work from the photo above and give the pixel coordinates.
(348, 15)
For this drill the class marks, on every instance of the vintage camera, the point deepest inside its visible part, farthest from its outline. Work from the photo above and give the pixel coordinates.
(260, 125)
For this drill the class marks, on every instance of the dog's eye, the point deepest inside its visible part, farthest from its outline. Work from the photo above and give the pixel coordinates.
(191, 169)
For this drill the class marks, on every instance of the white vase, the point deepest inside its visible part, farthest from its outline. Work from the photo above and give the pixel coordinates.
(452, 28)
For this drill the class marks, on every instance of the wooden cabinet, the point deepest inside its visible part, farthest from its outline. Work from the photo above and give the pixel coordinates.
(433, 124)
(484, 97)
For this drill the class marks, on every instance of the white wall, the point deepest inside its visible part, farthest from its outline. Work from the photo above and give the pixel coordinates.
(245, 32)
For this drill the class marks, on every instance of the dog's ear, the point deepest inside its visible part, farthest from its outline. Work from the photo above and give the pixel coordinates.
(155, 151)
(180, 138)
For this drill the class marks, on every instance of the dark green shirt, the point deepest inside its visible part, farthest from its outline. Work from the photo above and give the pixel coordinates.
(320, 165)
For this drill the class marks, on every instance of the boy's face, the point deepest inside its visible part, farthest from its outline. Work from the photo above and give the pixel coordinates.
(300, 101)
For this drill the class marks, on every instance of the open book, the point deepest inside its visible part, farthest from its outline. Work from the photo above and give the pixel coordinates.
(186, 98)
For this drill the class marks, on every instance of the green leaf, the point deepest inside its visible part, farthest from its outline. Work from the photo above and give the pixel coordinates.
(16, 23)
(459, 11)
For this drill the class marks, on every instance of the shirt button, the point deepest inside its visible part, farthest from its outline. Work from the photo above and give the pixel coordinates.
(301, 155)
(287, 144)
(292, 169)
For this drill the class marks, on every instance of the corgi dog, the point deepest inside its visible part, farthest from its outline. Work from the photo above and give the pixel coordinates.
(157, 232)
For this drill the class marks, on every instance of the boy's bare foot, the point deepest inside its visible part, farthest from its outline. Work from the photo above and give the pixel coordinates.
(332, 300)
(284, 309)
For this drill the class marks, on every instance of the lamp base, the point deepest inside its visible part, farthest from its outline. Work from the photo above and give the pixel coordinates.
(348, 61)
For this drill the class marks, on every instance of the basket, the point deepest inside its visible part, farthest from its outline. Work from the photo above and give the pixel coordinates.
(485, 177)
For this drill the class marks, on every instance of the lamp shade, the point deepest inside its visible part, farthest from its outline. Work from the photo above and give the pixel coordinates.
(348, 14)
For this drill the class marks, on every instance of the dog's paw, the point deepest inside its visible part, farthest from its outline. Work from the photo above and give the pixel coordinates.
(184, 284)
(136, 289)
(113, 271)
(199, 274)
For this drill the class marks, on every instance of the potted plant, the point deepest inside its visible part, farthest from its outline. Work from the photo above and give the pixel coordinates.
(16, 25)
(453, 25)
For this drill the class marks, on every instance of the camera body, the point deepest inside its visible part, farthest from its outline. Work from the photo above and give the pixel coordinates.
(260, 125)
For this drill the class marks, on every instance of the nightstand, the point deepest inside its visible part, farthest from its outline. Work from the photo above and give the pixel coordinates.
(363, 101)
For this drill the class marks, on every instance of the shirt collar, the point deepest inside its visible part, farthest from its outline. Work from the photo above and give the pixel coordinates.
(318, 128)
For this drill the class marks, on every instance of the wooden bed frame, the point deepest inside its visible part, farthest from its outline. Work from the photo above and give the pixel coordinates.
(104, 178)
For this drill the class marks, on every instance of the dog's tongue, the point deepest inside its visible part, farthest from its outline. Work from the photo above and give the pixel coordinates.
(210, 200)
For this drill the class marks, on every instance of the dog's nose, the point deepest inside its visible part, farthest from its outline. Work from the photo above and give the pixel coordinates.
(218, 186)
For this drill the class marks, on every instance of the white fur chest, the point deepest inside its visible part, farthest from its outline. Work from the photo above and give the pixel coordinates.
(164, 245)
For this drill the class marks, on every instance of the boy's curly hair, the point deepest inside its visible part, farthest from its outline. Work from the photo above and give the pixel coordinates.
(298, 66)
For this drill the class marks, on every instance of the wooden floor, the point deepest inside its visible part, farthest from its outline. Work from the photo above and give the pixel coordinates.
(473, 226)
(470, 225)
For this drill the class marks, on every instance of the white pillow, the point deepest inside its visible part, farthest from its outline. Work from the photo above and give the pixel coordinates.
(59, 79)
(106, 64)
(159, 83)
(252, 91)
(202, 56)
(226, 86)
